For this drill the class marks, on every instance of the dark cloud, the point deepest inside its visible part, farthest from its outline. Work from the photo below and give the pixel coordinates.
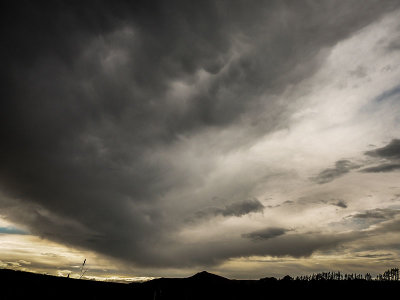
(382, 168)
(365, 219)
(242, 208)
(265, 234)
(288, 202)
(341, 204)
(341, 168)
(375, 255)
(273, 206)
(236, 209)
(390, 151)
(378, 213)
(94, 119)
(392, 225)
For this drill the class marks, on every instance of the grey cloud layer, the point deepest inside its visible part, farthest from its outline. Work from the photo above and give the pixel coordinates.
(93, 139)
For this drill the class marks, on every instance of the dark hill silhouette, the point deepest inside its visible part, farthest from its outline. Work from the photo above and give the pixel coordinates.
(208, 277)
(203, 285)
(26, 285)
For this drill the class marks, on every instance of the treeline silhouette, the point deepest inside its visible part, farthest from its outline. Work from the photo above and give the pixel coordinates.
(389, 275)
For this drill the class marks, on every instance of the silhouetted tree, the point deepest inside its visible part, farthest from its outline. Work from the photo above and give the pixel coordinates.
(368, 277)
(287, 278)
(392, 274)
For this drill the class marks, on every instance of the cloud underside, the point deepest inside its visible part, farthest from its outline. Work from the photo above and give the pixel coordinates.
(118, 122)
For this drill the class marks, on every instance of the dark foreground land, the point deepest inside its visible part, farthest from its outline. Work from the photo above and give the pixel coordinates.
(23, 285)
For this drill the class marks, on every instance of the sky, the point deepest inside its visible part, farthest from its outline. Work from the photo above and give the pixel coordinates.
(163, 138)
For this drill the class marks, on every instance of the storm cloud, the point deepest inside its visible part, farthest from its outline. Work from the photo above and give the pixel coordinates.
(120, 120)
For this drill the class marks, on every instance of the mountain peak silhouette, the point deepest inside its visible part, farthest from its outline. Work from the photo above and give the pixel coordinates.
(206, 276)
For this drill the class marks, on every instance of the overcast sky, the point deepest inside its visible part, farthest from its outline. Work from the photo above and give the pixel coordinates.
(162, 138)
